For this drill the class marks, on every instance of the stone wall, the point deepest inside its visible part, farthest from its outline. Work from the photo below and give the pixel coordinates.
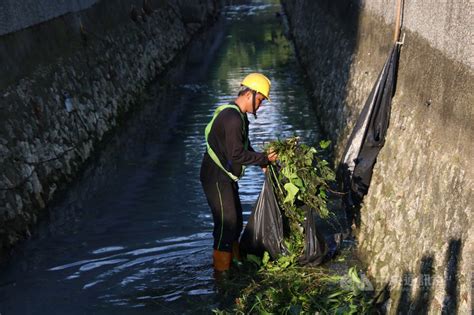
(414, 234)
(83, 72)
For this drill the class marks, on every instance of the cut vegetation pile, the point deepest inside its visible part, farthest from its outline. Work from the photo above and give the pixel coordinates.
(281, 285)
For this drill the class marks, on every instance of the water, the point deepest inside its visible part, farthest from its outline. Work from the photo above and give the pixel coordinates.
(133, 236)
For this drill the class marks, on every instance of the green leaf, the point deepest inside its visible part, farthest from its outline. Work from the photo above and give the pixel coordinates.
(285, 264)
(324, 144)
(292, 190)
(322, 194)
(323, 163)
(337, 293)
(255, 259)
(354, 276)
(297, 182)
(289, 172)
(266, 258)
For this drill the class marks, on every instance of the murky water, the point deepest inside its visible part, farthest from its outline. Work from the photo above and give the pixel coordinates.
(133, 236)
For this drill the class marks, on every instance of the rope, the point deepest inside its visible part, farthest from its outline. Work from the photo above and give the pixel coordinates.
(398, 21)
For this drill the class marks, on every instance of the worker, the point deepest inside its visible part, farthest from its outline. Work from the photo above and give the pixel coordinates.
(228, 152)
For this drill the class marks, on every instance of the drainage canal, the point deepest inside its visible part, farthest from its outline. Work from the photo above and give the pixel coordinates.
(134, 234)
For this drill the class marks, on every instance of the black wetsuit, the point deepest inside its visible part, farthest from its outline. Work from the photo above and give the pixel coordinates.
(227, 140)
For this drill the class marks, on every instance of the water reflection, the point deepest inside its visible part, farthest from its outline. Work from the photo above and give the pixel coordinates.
(134, 236)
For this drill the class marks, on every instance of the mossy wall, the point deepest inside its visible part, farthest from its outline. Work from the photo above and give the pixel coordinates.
(415, 222)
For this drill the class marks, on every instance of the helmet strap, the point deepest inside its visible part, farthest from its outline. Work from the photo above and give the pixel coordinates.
(254, 109)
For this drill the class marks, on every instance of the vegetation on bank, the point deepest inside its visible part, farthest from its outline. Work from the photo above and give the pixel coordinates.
(266, 287)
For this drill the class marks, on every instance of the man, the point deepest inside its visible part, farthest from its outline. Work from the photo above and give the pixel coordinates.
(228, 152)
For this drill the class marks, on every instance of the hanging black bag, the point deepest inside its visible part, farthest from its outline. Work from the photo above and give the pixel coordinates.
(264, 230)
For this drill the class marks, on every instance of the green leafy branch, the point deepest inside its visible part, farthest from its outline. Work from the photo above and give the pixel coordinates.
(301, 177)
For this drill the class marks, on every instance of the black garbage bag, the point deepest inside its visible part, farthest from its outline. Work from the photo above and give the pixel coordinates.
(264, 230)
(333, 242)
(266, 227)
(315, 248)
(368, 135)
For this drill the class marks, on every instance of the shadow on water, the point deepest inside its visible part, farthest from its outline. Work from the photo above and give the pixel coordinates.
(133, 236)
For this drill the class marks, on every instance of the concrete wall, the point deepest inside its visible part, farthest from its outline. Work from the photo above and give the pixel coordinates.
(17, 15)
(445, 24)
(415, 223)
(76, 87)
(24, 50)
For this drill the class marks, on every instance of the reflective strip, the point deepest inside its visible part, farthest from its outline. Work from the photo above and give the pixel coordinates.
(222, 216)
(216, 160)
(211, 152)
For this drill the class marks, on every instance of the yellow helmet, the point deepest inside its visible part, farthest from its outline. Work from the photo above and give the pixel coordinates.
(259, 83)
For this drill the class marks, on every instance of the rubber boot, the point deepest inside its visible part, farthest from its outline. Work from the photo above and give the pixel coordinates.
(221, 260)
(236, 251)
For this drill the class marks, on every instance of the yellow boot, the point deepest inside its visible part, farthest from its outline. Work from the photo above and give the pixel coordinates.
(221, 260)
(236, 251)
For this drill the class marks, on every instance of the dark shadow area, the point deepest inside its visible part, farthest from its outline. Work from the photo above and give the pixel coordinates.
(229, 285)
(424, 294)
(352, 203)
(327, 31)
(404, 300)
(381, 299)
(420, 303)
(453, 256)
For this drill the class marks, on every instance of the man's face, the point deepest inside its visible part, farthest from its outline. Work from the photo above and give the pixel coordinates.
(259, 98)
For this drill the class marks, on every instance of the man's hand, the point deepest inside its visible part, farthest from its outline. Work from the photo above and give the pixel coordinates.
(272, 156)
